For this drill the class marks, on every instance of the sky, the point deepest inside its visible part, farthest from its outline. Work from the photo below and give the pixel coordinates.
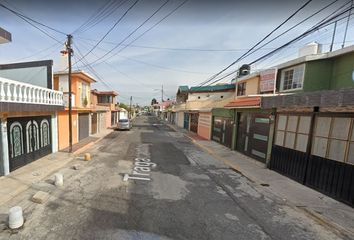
(196, 41)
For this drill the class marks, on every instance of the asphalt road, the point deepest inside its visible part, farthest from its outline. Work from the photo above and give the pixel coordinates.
(182, 193)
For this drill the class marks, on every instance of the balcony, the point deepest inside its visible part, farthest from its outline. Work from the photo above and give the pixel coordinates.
(15, 94)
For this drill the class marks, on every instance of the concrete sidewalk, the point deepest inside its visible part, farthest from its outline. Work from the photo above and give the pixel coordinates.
(325, 210)
(24, 177)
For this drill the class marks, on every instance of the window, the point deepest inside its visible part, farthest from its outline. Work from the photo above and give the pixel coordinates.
(84, 90)
(241, 89)
(292, 78)
(292, 131)
(333, 139)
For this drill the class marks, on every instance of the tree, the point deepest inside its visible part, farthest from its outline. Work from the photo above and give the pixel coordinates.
(122, 105)
(153, 101)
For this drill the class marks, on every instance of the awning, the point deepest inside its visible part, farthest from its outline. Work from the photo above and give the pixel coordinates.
(245, 102)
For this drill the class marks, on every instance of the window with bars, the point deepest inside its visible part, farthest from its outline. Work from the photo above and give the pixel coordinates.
(241, 89)
(334, 138)
(292, 131)
(292, 78)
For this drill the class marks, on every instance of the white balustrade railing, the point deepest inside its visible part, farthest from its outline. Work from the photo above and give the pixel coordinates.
(19, 92)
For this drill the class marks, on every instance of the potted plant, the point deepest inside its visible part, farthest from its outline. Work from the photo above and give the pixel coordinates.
(85, 102)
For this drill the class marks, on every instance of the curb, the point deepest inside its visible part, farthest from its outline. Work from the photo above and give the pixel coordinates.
(24, 187)
(87, 146)
(323, 221)
(337, 229)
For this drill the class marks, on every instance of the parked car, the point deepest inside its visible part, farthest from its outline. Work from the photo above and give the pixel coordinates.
(124, 124)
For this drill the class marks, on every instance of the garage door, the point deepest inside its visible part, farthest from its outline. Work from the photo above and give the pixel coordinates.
(83, 125)
(94, 123)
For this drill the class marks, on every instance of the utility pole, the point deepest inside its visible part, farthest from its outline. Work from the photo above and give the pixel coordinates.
(69, 52)
(162, 94)
(130, 107)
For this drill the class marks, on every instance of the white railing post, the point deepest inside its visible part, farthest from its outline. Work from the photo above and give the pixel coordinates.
(30, 93)
(24, 92)
(19, 97)
(8, 94)
(2, 93)
(14, 91)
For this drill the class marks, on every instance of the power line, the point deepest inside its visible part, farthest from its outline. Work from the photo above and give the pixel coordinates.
(111, 29)
(149, 64)
(40, 51)
(178, 49)
(92, 70)
(27, 19)
(323, 24)
(159, 66)
(136, 29)
(289, 29)
(149, 29)
(264, 38)
(311, 30)
(126, 75)
(102, 15)
(92, 17)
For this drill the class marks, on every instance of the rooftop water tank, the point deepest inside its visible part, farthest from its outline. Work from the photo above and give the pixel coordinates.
(310, 49)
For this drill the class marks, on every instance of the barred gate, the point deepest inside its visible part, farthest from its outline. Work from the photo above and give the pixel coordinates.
(29, 138)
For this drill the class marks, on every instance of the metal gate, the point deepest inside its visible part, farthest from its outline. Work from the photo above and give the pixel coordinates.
(94, 123)
(194, 122)
(83, 125)
(113, 118)
(29, 138)
(223, 130)
(186, 121)
(305, 165)
(253, 135)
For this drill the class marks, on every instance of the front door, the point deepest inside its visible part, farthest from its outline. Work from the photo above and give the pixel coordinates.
(83, 125)
(29, 138)
(253, 134)
(244, 121)
(223, 130)
(94, 123)
(186, 121)
(260, 125)
(194, 122)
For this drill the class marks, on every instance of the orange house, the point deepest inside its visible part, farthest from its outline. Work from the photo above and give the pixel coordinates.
(81, 106)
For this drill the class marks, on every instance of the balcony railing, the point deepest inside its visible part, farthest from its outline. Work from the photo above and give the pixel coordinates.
(19, 92)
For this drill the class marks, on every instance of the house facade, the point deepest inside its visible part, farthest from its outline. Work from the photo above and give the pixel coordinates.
(5, 36)
(108, 99)
(199, 105)
(314, 119)
(123, 114)
(98, 115)
(81, 107)
(253, 128)
(180, 107)
(28, 113)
